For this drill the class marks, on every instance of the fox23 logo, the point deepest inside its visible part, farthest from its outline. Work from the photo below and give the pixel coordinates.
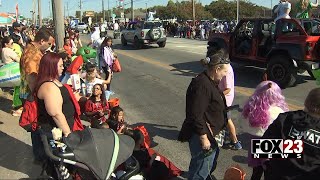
(276, 148)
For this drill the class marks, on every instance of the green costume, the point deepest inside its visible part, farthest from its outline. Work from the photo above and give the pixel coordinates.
(303, 14)
(87, 53)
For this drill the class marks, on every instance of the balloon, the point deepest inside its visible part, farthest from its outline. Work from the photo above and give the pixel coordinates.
(87, 53)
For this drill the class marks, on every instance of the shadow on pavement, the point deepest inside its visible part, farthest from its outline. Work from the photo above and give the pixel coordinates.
(245, 141)
(6, 104)
(16, 155)
(130, 47)
(240, 159)
(187, 68)
(167, 132)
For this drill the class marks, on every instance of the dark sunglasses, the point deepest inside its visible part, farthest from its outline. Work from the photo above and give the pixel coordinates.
(97, 88)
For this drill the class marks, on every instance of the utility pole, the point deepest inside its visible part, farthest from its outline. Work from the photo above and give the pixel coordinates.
(271, 8)
(146, 11)
(34, 20)
(80, 5)
(109, 14)
(68, 8)
(132, 12)
(193, 13)
(104, 13)
(238, 11)
(50, 15)
(39, 13)
(58, 22)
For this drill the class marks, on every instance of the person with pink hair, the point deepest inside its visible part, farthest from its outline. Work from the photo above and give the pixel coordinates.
(260, 110)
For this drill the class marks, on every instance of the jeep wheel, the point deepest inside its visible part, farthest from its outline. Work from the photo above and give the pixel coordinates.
(155, 33)
(123, 41)
(162, 44)
(137, 43)
(281, 71)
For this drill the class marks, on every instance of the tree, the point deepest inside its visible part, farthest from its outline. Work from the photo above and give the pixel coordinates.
(223, 9)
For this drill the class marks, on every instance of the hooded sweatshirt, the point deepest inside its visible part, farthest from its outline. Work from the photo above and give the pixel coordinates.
(296, 125)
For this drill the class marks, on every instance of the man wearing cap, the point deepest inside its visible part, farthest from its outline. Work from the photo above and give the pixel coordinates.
(17, 28)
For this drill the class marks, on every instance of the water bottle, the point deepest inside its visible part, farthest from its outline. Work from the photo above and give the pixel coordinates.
(83, 89)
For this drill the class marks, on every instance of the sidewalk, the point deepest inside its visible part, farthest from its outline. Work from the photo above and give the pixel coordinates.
(16, 159)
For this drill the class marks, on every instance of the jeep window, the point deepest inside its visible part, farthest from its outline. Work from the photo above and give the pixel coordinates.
(149, 25)
(289, 28)
(246, 29)
(130, 26)
(312, 27)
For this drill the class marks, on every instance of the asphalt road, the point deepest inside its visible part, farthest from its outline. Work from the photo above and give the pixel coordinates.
(151, 89)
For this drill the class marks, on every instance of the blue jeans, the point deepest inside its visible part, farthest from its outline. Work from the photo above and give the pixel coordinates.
(201, 166)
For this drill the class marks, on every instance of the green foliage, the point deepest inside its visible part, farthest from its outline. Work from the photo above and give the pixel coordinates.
(220, 9)
(223, 9)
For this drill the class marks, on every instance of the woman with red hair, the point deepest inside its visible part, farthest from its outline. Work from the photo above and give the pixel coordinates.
(57, 105)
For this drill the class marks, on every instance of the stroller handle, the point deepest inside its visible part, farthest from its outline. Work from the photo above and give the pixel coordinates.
(44, 138)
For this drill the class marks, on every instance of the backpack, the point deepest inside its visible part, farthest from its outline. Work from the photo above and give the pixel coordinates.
(234, 172)
(146, 141)
(29, 116)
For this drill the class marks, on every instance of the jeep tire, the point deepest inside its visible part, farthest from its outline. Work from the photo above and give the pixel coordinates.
(281, 71)
(162, 44)
(137, 43)
(123, 41)
(155, 34)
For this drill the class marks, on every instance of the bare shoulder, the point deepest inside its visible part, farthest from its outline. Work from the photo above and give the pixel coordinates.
(48, 88)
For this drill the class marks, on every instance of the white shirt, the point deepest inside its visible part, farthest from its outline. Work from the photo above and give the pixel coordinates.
(115, 26)
(89, 85)
(95, 37)
(74, 48)
(281, 10)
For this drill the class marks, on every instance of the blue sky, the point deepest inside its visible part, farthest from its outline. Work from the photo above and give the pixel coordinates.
(25, 6)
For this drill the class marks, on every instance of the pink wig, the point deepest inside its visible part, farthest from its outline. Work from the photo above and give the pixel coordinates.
(256, 108)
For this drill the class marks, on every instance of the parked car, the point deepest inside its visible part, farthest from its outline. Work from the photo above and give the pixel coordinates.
(144, 32)
(82, 27)
(283, 50)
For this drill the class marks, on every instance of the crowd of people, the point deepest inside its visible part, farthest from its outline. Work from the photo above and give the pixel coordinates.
(47, 73)
(265, 115)
(201, 30)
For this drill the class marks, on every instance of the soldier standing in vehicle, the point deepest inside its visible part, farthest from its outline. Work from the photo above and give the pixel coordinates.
(283, 10)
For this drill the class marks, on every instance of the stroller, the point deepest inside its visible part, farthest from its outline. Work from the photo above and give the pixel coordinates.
(90, 154)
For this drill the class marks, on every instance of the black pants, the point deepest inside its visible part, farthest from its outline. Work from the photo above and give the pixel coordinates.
(257, 173)
(105, 69)
(37, 146)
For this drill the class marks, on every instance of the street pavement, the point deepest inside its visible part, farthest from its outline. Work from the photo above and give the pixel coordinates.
(151, 88)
